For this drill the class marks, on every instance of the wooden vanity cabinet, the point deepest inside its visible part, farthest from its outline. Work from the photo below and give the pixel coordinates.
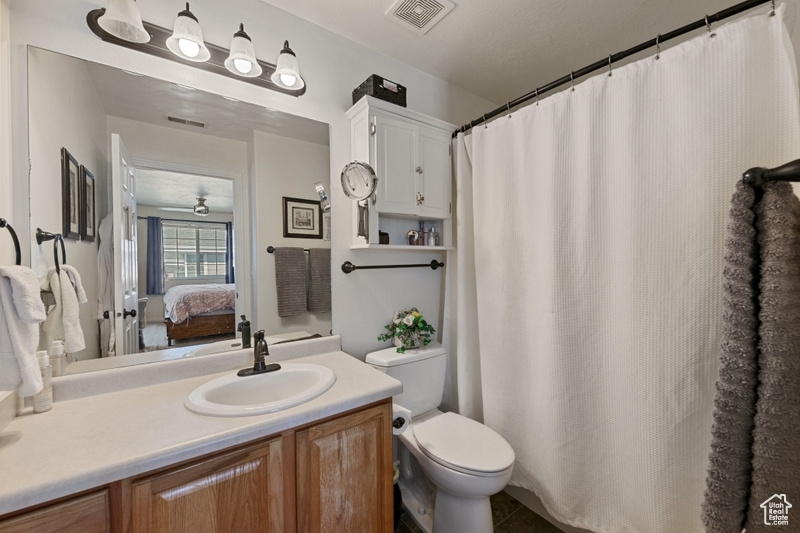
(331, 475)
(344, 474)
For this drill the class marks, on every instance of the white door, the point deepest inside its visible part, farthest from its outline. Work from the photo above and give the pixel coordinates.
(395, 158)
(435, 174)
(126, 269)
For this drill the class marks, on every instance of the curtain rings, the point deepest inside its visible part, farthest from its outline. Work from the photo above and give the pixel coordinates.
(537, 97)
(658, 46)
(508, 108)
(572, 80)
(708, 27)
(485, 123)
(772, 14)
(609, 66)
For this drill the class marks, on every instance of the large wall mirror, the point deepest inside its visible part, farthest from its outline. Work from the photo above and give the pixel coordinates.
(168, 198)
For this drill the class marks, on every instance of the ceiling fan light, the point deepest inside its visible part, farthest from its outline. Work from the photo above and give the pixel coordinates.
(187, 38)
(287, 70)
(201, 209)
(123, 20)
(242, 58)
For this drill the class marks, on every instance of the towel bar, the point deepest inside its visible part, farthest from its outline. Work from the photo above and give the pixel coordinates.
(5, 224)
(271, 249)
(348, 267)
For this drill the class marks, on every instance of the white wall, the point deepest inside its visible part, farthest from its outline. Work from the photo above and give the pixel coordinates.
(331, 65)
(284, 167)
(62, 96)
(6, 183)
(154, 313)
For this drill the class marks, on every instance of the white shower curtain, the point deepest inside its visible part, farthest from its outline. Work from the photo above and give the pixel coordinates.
(592, 227)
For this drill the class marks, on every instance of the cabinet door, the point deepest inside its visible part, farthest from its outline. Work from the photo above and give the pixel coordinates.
(242, 490)
(396, 162)
(84, 514)
(436, 177)
(344, 474)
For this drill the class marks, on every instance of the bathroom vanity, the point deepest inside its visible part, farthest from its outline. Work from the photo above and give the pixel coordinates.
(137, 460)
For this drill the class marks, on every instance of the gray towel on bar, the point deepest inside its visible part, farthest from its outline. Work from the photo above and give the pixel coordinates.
(729, 470)
(319, 280)
(776, 434)
(290, 281)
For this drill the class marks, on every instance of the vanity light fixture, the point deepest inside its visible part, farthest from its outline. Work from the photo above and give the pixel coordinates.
(287, 72)
(185, 44)
(121, 18)
(187, 38)
(242, 59)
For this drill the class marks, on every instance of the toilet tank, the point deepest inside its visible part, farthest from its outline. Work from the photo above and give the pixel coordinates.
(420, 371)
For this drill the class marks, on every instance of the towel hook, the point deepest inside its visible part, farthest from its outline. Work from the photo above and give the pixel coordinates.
(572, 80)
(5, 224)
(658, 46)
(708, 27)
(609, 66)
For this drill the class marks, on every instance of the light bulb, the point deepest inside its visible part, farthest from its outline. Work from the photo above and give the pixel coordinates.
(288, 80)
(189, 48)
(243, 65)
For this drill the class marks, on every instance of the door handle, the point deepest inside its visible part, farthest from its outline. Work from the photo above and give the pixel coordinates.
(126, 313)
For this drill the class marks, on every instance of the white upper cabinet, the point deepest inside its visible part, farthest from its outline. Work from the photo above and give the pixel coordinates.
(410, 153)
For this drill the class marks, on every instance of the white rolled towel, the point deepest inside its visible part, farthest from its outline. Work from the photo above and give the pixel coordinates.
(401, 419)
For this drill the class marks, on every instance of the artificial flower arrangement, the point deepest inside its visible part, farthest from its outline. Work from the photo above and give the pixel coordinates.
(408, 330)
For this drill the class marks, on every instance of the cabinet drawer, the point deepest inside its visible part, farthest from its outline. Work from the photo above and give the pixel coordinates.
(84, 514)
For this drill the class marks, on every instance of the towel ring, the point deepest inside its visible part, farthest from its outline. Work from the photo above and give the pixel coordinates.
(5, 224)
(42, 236)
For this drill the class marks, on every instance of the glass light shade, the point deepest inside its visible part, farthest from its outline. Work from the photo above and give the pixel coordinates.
(187, 38)
(242, 58)
(201, 209)
(287, 70)
(123, 20)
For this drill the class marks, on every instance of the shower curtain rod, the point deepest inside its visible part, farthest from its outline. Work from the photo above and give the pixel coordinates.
(613, 58)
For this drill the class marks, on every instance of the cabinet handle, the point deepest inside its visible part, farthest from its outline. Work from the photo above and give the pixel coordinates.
(420, 199)
(419, 170)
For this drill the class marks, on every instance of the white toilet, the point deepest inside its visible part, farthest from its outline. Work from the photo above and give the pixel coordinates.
(462, 462)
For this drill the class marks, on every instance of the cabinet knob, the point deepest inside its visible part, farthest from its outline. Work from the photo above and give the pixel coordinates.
(419, 170)
(420, 199)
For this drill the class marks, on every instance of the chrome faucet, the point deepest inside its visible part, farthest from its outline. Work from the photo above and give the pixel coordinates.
(260, 352)
(244, 327)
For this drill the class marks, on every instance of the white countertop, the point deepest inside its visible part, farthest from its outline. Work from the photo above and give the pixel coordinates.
(91, 440)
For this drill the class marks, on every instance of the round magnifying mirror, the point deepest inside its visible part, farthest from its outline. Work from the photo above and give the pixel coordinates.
(359, 180)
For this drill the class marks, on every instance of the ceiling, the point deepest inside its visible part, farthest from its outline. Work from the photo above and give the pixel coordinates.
(161, 189)
(502, 49)
(132, 96)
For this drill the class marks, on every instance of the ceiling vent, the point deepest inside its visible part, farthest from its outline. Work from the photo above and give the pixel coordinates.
(186, 122)
(419, 15)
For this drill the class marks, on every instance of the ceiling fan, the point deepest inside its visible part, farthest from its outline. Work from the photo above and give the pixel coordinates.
(201, 209)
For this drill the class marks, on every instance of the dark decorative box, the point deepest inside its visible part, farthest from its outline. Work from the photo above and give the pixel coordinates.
(381, 88)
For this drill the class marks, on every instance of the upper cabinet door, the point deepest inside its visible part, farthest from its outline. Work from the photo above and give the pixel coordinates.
(435, 174)
(396, 154)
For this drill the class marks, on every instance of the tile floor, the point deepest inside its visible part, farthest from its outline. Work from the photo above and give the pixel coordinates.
(508, 515)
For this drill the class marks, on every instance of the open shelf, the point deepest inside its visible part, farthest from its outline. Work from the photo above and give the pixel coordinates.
(403, 247)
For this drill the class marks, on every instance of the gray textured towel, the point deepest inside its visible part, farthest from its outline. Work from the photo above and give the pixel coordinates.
(755, 452)
(319, 280)
(290, 281)
(728, 478)
(776, 435)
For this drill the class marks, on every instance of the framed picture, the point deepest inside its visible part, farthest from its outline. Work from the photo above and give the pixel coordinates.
(87, 218)
(302, 218)
(70, 196)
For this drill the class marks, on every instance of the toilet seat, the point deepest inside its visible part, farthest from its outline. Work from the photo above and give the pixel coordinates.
(463, 445)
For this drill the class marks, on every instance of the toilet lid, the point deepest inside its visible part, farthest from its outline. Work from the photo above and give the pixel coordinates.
(463, 444)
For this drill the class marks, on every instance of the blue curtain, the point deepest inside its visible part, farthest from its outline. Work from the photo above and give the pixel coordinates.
(155, 256)
(229, 277)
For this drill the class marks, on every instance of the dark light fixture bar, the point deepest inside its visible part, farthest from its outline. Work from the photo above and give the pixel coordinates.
(348, 267)
(216, 63)
(613, 58)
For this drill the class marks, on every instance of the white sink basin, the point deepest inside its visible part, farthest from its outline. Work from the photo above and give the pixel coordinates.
(232, 395)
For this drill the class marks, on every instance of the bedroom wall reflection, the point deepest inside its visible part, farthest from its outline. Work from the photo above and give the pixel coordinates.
(182, 145)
